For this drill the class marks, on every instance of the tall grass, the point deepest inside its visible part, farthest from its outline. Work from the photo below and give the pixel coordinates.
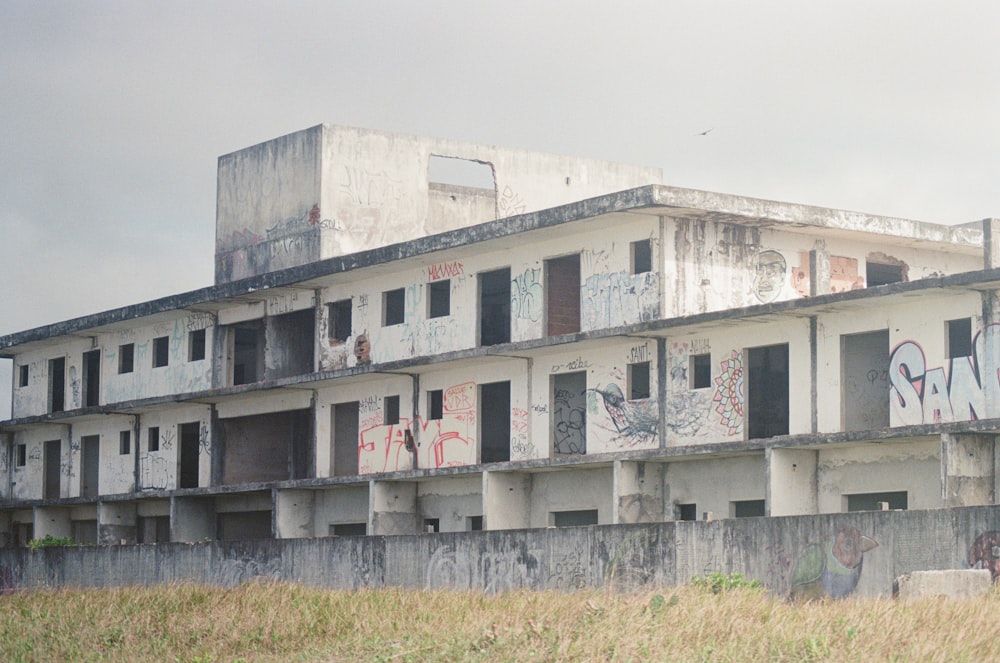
(282, 622)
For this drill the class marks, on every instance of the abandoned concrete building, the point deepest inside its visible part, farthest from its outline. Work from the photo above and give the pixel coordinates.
(409, 335)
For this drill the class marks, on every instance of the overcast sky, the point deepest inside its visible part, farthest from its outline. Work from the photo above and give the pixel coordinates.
(112, 114)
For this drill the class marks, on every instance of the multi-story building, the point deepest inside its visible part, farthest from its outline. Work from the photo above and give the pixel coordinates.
(408, 334)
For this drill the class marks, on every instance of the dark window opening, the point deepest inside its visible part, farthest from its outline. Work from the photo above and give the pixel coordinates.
(435, 404)
(562, 295)
(687, 511)
(747, 508)
(642, 257)
(126, 358)
(84, 531)
(339, 321)
(243, 525)
(494, 421)
(196, 345)
(161, 351)
(291, 344)
(638, 381)
(190, 440)
(348, 529)
(865, 380)
(393, 305)
(57, 384)
(53, 465)
(569, 413)
(90, 471)
(700, 371)
(276, 446)
(959, 338)
(22, 372)
(432, 524)
(346, 417)
(881, 274)
(439, 298)
(872, 501)
(247, 352)
(494, 306)
(473, 523)
(124, 443)
(22, 455)
(153, 438)
(91, 378)
(767, 391)
(390, 410)
(24, 533)
(580, 518)
(153, 529)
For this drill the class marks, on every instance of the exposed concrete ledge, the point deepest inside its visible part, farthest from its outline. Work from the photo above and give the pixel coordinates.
(952, 584)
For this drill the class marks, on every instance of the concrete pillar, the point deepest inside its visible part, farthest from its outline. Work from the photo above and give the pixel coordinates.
(967, 469)
(116, 523)
(192, 519)
(393, 508)
(638, 492)
(791, 482)
(52, 521)
(819, 270)
(506, 500)
(294, 512)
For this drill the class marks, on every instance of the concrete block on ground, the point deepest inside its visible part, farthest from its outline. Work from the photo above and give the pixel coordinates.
(951, 583)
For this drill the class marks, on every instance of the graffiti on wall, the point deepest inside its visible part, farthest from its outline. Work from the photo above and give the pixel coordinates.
(526, 295)
(844, 275)
(769, 275)
(984, 553)
(831, 568)
(510, 203)
(634, 421)
(619, 298)
(569, 422)
(687, 409)
(922, 394)
(520, 447)
(445, 270)
(728, 395)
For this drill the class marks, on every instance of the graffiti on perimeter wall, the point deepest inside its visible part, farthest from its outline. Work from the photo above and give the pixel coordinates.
(830, 568)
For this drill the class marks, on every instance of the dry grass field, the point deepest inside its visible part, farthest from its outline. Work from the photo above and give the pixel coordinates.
(282, 622)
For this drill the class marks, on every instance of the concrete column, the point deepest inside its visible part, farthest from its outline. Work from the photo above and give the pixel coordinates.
(638, 492)
(819, 270)
(506, 500)
(192, 519)
(294, 512)
(791, 482)
(116, 523)
(393, 508)
(52, 520)
(967, 469)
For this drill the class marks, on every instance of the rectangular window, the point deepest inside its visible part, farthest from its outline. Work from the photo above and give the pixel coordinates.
(126, 358)
(125, 442)
(432, 524)
(153, 438)
(746, 508)
(473, 523)
(562, 295)
(348, 529)
(687, 511)
(580, 518)
(896, 500)
(767, 379)
(959, 337)
(196, 345)
(495, 304)
(435, 404)
(57, 384)
(91, 378)
(494, 422)
(642, 257)
(700, 371)
(393, 303)
(339, 320)
(161, 351)
(638, 381)
(439, 299)
(22, 455)
(390, 408)
(881, 273)
(22, 376)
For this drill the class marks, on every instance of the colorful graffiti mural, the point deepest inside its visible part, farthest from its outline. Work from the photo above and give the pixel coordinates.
(831, 568)
(984, 553)
(729, 393)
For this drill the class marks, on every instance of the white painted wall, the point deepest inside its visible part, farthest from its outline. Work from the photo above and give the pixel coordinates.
(573, 490)
(913, 466)
(698, 482)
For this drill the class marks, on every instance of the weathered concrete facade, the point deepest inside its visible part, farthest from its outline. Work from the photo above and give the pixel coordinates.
(389, 352)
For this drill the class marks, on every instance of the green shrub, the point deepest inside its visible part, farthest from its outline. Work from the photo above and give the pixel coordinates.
(720, 582)
(49, 541)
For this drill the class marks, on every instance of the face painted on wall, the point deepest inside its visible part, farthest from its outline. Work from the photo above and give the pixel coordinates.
(769, 276)
(363, 350)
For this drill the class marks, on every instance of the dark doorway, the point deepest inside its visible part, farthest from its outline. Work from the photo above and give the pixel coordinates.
(53, 465)
(291, 343)
(865, 380)
(345, 439)
(494, 421)
(89, 475)
(91, 378)
(562, 295)
(569, 413)
(190, 438)
(494, 307)
(57, 384)
(246, 352)
(767, 391)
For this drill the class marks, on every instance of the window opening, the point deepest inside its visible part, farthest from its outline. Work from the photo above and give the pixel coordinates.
(90, 474)
(700, 371)
(569, 413)
(161, 351)
(22, 455)
(767, 391)
(959, 337)
(91, 378)
(579, 518)
(124, 442)
(865, 380)
(196, 345)
(346, 417)
(473, 523)
(348, 529)
(881, 273)
(153, 529)
(393, 303)
(22, 380)
(562, 292)
(247, 352)
(291, 341)
(460, 172)
(642, 256)
(439, 299)
(390, 409)
(432, 524)
(339, 320)
(494, 421)
(57, 384)
(687, 511)
(495, 306)
(190, 441)
(435, 404)
(153, 438)
(638, 381)
(871, 501)
(746, 508)
(126, 358)
(53, 465)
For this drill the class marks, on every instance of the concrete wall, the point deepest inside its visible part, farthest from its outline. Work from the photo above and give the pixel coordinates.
(781, 552)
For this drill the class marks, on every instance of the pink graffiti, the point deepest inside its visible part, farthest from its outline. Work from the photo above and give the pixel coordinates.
(460, 397)
(445, 270)
(518, 420)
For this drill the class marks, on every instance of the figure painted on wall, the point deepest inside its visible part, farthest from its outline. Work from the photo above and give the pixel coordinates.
(363, 350)
(832, 568)
(769, 275)
(635, 420)
(985, 554)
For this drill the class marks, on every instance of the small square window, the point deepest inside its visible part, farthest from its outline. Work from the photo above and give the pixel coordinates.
(390, 407)
(642, 257)
(196, 345)
(22, 379)
(432, 524)
(126, 358)
(687, 511)
(747, 509)
(125, 442)
(153, 438)
(439, 299)
(473, 523)
(959, 337)
(638, 381)
(435, 404)
(22, 455)
(161, 351)
(700, 371)
(393, 303)
(339, 323)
